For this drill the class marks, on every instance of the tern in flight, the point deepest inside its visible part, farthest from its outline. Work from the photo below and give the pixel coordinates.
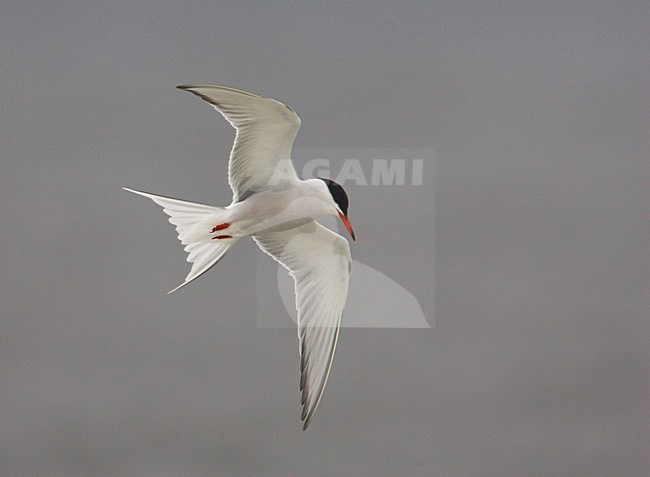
(279, 211)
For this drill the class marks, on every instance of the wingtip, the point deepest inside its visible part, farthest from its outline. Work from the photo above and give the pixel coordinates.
(306, 421)
(191, 86)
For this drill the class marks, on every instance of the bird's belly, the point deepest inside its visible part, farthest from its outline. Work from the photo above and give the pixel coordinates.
(272, 211)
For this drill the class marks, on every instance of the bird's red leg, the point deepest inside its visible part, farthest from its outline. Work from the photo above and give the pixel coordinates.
(216, 228)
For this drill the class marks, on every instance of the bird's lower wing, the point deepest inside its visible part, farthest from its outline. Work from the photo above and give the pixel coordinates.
(319, 261)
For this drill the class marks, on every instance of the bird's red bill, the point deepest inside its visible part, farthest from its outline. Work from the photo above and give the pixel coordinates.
(347, 224)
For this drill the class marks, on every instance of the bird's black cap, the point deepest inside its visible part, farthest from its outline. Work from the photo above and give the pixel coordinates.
(338, 194)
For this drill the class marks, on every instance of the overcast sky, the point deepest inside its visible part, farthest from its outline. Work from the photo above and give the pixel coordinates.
(531, 266)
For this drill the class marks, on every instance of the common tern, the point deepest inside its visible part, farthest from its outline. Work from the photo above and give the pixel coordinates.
(279, 211)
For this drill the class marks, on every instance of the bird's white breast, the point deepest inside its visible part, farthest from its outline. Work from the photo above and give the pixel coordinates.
(278, 210)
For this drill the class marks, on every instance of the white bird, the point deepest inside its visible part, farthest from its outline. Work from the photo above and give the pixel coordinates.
(279, 211)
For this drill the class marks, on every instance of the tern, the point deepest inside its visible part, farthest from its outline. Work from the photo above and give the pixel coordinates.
(279, 211)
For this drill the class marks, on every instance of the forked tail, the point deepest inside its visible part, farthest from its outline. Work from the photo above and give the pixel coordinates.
(194, 223)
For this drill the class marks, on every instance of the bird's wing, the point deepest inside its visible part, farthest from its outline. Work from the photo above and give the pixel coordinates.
(261, 156)
(319, 261)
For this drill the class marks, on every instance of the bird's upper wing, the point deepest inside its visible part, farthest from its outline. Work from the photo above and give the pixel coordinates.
(319, 261)
(261, 156)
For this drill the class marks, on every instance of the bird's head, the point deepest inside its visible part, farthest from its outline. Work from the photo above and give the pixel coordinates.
(339, 201)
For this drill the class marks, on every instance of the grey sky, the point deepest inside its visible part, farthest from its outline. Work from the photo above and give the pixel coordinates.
(537, 116)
